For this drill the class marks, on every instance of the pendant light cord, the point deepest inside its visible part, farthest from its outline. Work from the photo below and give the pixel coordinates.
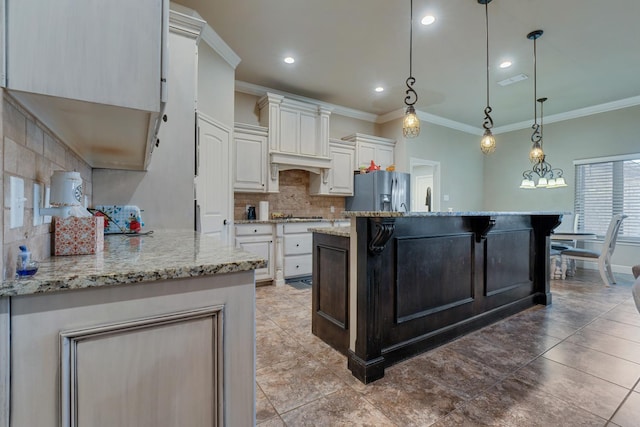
(486, 14)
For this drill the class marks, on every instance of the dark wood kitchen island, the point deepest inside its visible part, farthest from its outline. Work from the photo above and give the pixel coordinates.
(402, 283)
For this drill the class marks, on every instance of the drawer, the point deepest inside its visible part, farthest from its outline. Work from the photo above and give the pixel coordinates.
(302, 227)
(253, 229)
(297, 265)
(298, 244)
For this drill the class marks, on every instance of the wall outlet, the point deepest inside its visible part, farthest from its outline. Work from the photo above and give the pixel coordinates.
(445, 197)
(332, 209)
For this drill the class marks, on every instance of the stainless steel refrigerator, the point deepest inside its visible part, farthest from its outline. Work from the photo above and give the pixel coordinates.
(380, 191)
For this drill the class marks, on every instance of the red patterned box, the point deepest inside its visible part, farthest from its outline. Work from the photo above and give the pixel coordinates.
(78, 236)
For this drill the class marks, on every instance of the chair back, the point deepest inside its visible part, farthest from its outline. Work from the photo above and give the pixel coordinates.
(610, 238)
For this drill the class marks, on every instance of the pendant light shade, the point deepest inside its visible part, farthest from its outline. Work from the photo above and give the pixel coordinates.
(411, 123)
(488, 141)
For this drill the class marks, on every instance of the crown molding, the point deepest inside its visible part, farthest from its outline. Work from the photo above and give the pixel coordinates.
(575, 114)
(260, 91)
(215, 42)
(253, 89)
(185, 24)
(433, 119)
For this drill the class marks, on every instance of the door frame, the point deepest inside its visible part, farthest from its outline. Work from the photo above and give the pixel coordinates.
(435, 193)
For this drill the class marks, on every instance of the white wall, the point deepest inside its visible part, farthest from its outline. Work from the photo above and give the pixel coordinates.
(216, 79)
(459, 155)
(600, 135)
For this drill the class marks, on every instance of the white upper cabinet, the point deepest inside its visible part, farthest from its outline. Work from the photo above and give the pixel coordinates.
(337, 181)
(341, 173)
(380, 150)
(93, 71)
(250, 154)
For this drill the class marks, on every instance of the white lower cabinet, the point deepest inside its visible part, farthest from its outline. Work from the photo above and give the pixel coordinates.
(258, 239)
(295, 245)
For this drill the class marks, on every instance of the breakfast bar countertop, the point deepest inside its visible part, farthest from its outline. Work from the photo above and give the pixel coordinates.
(163, 255)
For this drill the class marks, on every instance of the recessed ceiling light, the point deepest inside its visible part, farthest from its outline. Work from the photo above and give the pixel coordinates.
(289, 60)
(505, 64)
(428, 20)
(379, 89)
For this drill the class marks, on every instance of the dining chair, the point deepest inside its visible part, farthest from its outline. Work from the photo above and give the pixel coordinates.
(603, 257)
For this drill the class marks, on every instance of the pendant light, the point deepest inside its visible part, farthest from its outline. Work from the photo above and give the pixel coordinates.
(488, 141)
(411, 123)
(536, 154)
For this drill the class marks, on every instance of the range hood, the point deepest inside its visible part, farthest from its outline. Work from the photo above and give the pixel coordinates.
(280, 161)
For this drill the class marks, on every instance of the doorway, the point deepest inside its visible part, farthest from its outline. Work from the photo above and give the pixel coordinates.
(425, 185)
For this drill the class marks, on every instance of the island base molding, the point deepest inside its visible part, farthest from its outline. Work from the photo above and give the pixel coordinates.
(370, 370)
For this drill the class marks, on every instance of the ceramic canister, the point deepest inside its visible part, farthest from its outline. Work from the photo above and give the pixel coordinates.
(66, 189)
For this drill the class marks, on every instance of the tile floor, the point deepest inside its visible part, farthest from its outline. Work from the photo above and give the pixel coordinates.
(573, 363)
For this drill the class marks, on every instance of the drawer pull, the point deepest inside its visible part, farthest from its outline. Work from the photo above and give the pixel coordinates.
(297, 266)
(297, 244)
(255, 231)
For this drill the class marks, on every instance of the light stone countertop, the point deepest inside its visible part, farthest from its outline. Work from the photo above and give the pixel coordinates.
(386, 214)
(334, 231)
(287, 220)
(170, 254)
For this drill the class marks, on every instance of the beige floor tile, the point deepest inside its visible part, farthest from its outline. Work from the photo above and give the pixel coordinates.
(629, 413)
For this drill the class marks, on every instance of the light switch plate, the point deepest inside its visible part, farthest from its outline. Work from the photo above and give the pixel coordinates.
(17, 202)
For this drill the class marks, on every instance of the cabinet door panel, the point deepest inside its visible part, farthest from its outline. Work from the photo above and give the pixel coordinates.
(289, 131)
(298, 244)
(108, 52)
(366, 153)
(297, 265)
(308, 135)
(250, 173)
(263, 248)
(384, 157)
(341, 175)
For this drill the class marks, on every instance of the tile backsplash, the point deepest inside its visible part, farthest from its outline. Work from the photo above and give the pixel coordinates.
(293, 199)
(31, 152)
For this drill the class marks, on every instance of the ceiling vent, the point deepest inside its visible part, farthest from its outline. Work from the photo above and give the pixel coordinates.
(515, 79)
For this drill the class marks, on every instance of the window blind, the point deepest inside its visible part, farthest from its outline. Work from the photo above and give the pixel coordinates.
(607, 188)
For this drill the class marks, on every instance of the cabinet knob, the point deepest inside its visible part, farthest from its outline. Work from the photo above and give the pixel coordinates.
(255, 231)
(224, 222)
(157, 142)
(297, 266)
(164, 118)
(297, 244)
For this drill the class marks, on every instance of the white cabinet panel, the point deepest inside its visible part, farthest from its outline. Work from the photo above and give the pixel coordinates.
(297, 244)
(289, 131)
(258, 239)
(380, 150)
(92, 71)
(250, 154)
(308, 134)
(341, 173)
(297, 265)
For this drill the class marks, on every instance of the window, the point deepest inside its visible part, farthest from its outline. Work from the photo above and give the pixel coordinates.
(606, 187)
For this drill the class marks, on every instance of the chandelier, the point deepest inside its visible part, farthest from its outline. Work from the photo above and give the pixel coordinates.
(411, 123)
(546, 175)
(488, 141)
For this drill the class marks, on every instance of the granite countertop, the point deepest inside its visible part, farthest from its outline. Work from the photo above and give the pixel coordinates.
(162, 255)
(334, 231)
(287, 220)
(350, 214)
